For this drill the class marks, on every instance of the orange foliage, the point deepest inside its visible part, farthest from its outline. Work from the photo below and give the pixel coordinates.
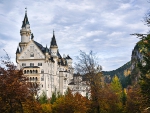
(71, 104)
(15, 93)
(46, 108)
(134, 102)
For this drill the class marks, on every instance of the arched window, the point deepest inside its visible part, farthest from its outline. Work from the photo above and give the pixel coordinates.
(31, 71)
(27, 71)
(36, 71)
(36, 79)
(24, 71)
(33, 78)
(42, 78)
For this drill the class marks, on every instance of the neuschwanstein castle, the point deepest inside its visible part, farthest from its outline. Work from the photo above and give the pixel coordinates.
(44, 65)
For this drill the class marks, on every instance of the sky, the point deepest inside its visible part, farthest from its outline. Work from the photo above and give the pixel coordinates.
(103, 26)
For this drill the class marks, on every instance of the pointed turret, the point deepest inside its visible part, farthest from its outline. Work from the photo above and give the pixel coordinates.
(46, 49)
(17, 54)
(68, 57)
(25, 32)
(69, 61)
(17, 51)
(32, 36)
(25, 21)
(53, 41)
(53, 46)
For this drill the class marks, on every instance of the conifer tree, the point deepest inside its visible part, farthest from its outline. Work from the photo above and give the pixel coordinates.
(144, 67)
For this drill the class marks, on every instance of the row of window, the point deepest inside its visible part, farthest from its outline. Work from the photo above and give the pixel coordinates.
(34, 85)
(31, 64)
(32, 71)
(48, 85)
(32, 79)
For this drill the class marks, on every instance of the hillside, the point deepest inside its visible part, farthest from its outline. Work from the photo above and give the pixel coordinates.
(122, 72)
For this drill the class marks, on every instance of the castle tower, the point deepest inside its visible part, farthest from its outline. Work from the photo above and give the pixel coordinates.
(25, 32)
(69, 60)
(53, 46)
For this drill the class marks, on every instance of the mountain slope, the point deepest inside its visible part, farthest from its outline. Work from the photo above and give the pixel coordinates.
(122, 72)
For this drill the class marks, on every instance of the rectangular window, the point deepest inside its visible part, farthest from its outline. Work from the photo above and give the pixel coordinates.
(31, 48)
(31, 54)
(42, 78)
(42, 71)
(31, 64)
(39, 64)
(23, 64)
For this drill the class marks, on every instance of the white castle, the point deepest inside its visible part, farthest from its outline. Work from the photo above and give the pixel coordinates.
(43, 65)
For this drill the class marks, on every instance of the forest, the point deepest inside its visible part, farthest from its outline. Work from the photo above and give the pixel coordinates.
(18, 96)
(123, 90)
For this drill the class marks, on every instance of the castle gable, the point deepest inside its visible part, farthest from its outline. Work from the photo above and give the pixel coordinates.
(32, 51)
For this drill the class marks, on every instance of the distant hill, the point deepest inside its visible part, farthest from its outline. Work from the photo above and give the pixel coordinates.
(129, 72)
(123, 73)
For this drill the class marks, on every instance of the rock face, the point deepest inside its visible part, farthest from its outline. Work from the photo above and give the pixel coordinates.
(129, 72)
(136, 57)
(122, 72)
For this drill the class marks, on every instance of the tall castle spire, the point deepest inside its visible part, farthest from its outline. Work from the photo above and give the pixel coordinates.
(53, 41)
(25, 21)
(25, 31)
(53, 46)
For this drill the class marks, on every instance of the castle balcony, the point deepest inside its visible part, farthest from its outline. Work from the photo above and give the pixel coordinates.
(32, 73)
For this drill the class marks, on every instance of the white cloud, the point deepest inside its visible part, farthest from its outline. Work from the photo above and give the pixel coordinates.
(101, 26)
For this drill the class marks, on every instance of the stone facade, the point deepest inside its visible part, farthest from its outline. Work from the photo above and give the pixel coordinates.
(42, 65)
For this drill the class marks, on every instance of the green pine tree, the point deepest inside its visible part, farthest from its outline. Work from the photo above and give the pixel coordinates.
(116, 85)
(43, 98)
(144, 67)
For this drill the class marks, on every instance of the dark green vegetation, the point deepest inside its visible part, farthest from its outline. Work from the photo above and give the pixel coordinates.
(123, 73)
(144, 68)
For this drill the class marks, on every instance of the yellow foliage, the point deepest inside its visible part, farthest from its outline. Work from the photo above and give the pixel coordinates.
(46, 108)
(127, 72)
(71, 104)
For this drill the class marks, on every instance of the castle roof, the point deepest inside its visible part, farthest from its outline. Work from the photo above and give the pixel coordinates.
(68, 57)
(53, 41)
(25, 21)
(43, 49)
(58, 54)
(63, 61)
(17, 51)
(46, 50)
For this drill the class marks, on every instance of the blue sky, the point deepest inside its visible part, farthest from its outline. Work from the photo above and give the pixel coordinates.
(103, 26)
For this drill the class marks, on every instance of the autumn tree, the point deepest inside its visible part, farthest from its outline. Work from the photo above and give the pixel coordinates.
(14, 91)
(88, 67)
(134, 103)
(46, 108)
(109, 101)
(43, 98)
(70, 103)
(116, 86)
